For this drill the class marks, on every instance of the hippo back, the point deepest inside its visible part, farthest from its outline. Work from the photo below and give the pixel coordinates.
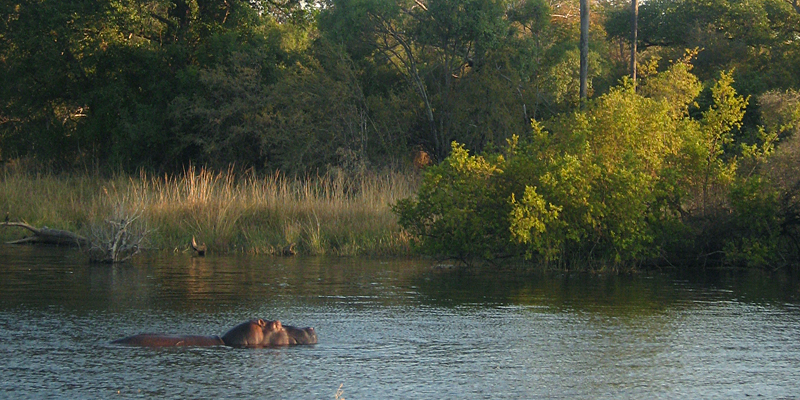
(157, 340)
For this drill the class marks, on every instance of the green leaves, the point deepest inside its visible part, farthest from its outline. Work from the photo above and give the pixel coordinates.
(461, 58)
(591, 189)
(724, 115)
(757, 38)
(529, 220)
(458, 212)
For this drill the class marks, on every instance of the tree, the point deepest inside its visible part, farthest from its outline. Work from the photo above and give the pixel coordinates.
(756, 39)
(634, 37)
(86, 82)
(584, 46)
(430, 44)
(613, 184)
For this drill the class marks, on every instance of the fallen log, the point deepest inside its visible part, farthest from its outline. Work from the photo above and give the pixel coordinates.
(47, 235)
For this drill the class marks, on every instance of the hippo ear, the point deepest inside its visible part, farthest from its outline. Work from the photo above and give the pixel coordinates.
(261, 323)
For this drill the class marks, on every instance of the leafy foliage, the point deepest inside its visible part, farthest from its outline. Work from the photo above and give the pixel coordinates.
(606, 187)
(458, 212)
(679, 167)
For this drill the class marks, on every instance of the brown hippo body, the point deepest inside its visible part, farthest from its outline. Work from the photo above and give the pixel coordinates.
(253, 333)
(157, 340)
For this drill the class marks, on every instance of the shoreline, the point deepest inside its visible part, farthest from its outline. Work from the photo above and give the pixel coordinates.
(232, 213)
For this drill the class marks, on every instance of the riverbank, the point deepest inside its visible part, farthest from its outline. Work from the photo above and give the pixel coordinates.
(230, 212)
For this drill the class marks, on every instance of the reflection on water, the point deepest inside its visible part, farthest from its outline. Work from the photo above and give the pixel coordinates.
(392, 329)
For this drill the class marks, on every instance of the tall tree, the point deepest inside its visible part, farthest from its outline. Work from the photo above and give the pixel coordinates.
(85, 82)
(634, 34)
(584, 45)
(755, 38)
(430, 43)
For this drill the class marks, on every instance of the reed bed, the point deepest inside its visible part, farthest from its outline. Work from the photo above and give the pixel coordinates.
(333, 213)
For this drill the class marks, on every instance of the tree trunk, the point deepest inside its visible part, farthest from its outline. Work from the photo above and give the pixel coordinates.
(584, 44)
(634, 38)
(47, 236)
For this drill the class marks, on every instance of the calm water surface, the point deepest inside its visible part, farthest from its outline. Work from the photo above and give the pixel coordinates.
(392, 329)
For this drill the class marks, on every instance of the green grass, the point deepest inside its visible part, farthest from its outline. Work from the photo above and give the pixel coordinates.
(245, 213)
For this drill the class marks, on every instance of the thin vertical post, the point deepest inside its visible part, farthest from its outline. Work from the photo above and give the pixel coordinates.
(634, 37)
(584, 44)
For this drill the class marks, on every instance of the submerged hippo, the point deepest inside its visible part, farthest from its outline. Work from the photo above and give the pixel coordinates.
(253, 333)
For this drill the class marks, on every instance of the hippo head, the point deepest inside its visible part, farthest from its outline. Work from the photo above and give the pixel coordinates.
(257, 333)
(300, 335)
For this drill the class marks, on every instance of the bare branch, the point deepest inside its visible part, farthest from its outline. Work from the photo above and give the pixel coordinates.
(46, 235)
(120, 238)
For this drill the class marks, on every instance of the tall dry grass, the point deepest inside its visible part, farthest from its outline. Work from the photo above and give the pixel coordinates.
(231, 212)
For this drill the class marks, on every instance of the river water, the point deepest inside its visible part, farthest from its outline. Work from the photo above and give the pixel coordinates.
(392, 329)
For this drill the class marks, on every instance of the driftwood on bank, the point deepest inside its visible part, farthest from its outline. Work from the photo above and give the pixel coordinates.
(117, 240)
(47, 235)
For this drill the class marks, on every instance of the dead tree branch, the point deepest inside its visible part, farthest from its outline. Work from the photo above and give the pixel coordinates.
(47, 235)
(119, 239)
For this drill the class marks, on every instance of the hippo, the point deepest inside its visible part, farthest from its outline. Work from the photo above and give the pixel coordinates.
(251, 334)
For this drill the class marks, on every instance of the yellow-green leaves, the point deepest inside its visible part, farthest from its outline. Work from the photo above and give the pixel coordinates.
(602, 187)
(529, 219)
(724, 115)
(459, 211)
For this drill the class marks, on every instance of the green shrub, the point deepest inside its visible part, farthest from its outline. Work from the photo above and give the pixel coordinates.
(600, 188)
(458, 211)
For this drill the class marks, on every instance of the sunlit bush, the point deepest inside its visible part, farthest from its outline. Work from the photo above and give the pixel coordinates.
(625, 181)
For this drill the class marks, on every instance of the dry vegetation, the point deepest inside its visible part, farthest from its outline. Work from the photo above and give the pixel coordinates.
(229, 212)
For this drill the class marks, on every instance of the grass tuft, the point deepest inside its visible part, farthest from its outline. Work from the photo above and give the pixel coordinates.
(330, 214)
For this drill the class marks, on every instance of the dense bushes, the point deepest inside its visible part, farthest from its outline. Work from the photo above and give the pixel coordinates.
(631, 179)
(344, 84)
(296, 86)
(678, 168)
